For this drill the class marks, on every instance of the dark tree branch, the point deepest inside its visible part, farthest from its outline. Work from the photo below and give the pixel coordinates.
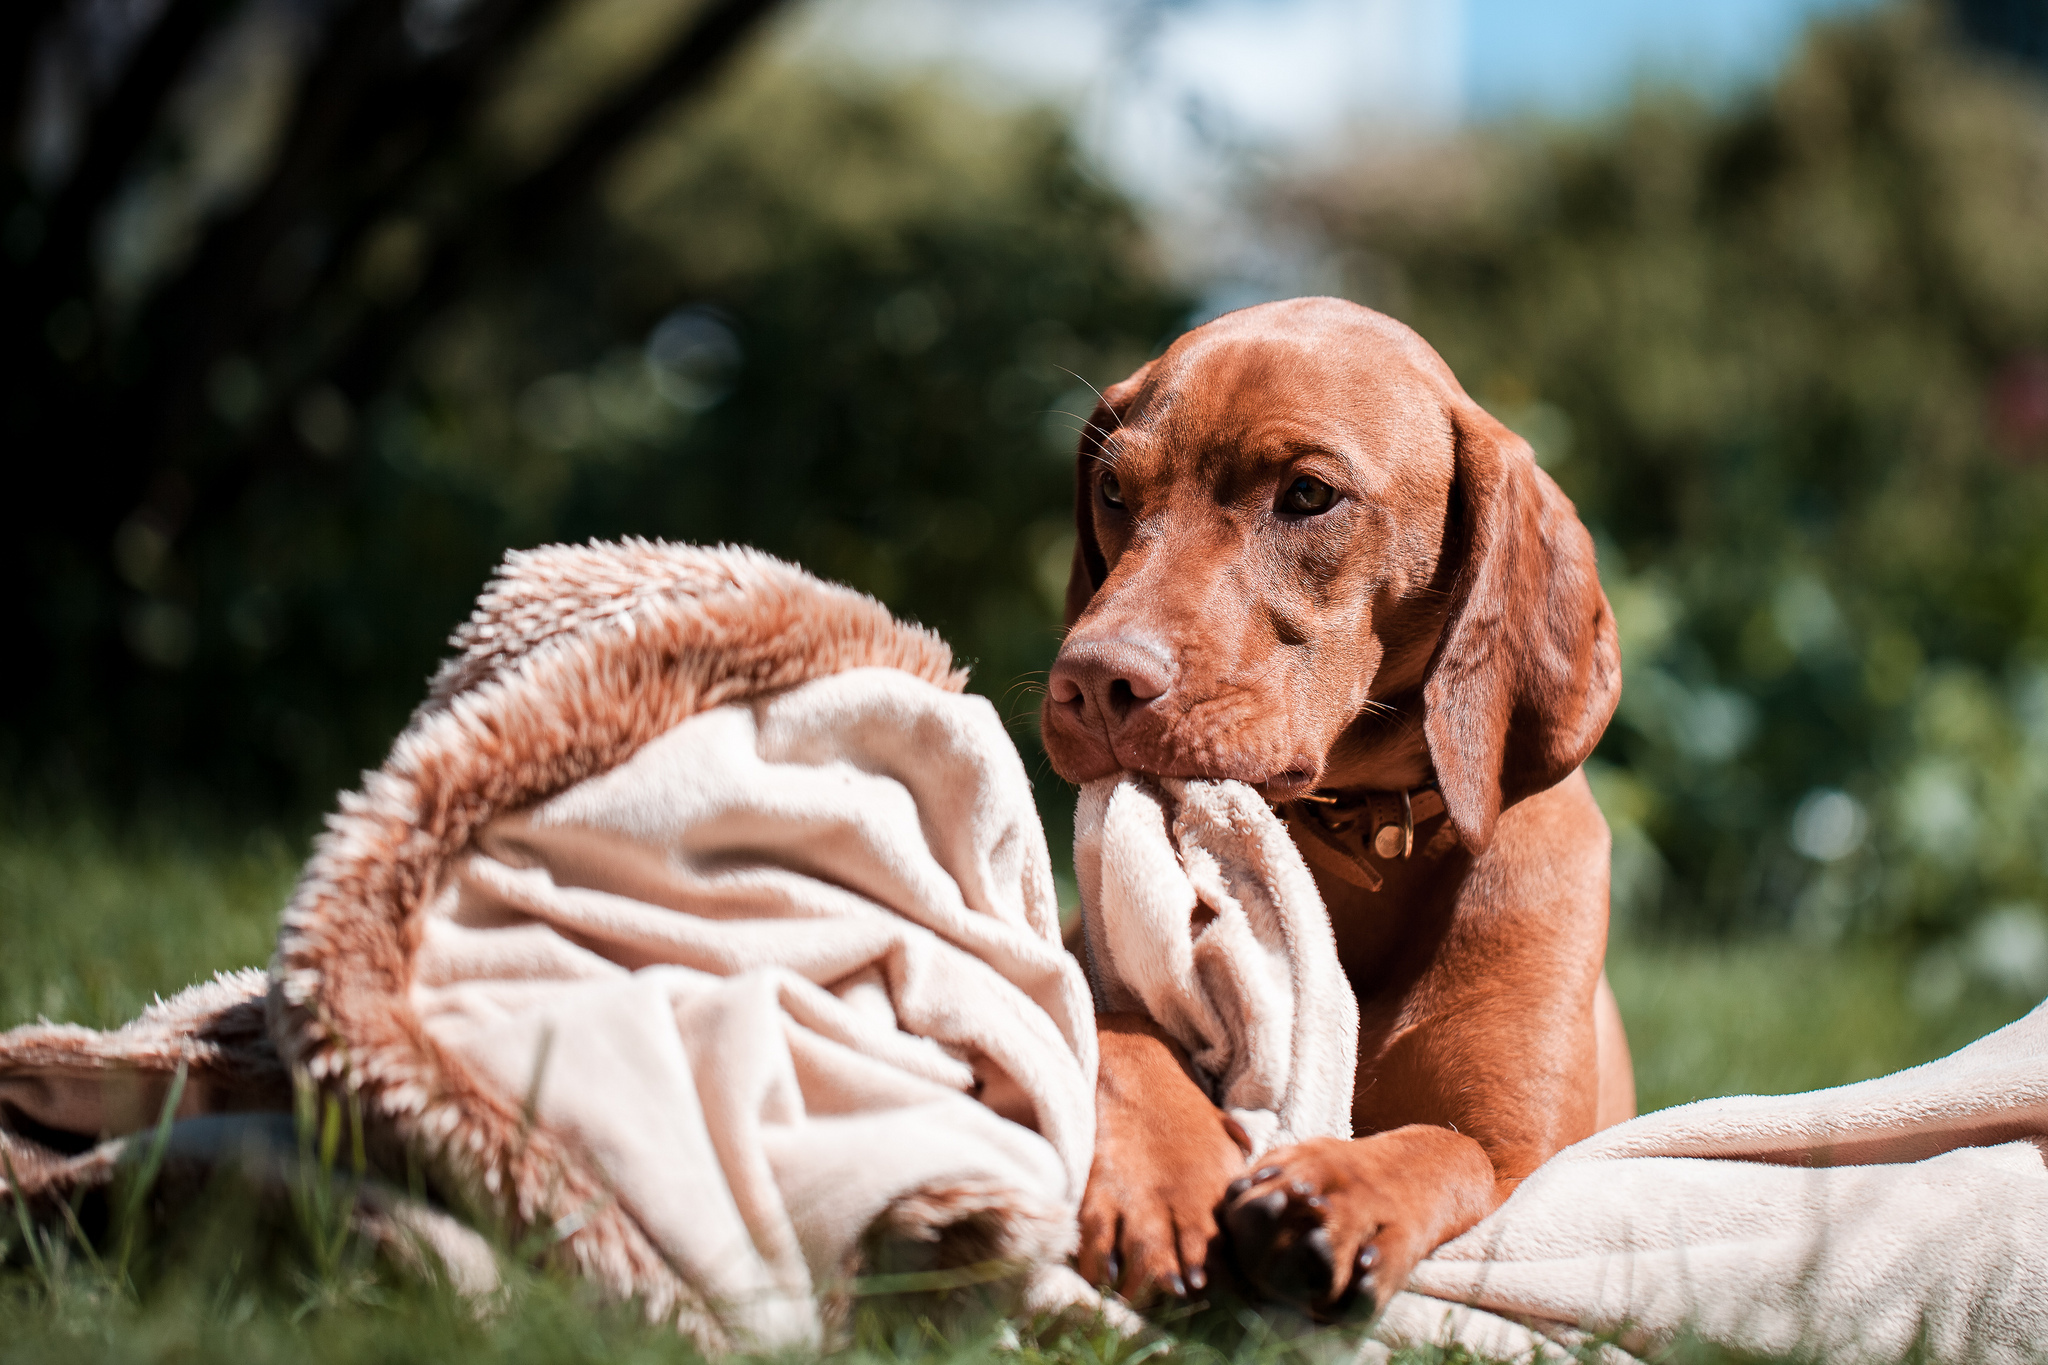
(568, 175)
(376, 342)
(210, 304)
(120, 128)
(514, 219)
(376, 123)
(421, 135)
(21, 23)
(377, 128)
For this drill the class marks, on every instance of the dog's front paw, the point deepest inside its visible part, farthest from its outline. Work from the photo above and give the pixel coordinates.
(1317, 1225)
(1163, 1157)
(1147, 1226)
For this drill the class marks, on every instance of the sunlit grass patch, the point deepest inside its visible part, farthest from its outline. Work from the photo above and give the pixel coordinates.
(1771, 1017)
(95, 922)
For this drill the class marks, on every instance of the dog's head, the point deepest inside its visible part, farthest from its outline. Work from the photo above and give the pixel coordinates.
(1304, 557)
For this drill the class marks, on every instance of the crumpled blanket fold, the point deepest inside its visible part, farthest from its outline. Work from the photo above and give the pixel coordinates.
(698, 924)
(1199, 913)
(1907, 1213)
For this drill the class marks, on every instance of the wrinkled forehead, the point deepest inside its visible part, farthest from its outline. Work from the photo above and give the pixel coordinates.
(1274, 387)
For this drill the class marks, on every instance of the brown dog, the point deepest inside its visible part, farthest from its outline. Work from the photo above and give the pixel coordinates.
(1307, 560)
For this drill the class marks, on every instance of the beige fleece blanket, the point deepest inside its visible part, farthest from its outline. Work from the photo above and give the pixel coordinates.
(791, 962)
(1199, 913)
(698, 928)
(1866, 1222)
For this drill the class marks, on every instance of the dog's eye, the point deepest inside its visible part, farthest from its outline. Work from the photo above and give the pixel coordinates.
(1112, 491)
(1307, 496)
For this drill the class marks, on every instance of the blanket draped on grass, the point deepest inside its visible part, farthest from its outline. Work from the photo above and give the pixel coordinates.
(1907, 1213)
(697, 924)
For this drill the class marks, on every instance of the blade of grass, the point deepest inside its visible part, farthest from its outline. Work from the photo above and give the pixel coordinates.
(138, 1183)
(358, 1148)
(38, 1256)
(330, 1134)
(84, 1243)
(335, 1233)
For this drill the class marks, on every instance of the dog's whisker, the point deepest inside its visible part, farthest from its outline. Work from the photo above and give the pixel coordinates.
(1107, 438)
(1098, 397)
(1103, 434)
(1036, 677)
(1086, 428)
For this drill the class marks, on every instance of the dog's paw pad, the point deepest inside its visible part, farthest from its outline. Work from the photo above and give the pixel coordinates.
(1254, 1224)
(1303, 1270)
(1281, 1242)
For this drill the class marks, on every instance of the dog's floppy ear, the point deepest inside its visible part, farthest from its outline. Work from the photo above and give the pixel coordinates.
(1528, 670)
(1090, 569)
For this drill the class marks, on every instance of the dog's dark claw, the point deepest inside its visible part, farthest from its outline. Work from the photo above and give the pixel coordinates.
(1358, 1303)
(1238, 1187)
(1198, 1278)
(1176, 1286)
(1116, 1269)
(1361, 1272)
(1264, 1173)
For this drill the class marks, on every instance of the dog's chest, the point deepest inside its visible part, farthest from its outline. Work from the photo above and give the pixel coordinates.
(1386, 937)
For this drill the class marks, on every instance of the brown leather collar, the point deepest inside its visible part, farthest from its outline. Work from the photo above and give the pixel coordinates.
(1364, 826)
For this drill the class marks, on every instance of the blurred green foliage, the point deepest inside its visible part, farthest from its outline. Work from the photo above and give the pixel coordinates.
(845, 326)
(1764, 1017)
(850, 327)
(842, 323)
(1790, 359)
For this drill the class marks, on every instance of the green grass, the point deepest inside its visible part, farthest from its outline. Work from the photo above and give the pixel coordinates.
(94, 923)
(1772, 1018)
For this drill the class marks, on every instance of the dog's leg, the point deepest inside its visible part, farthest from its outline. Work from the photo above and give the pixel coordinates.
(1617, 1070)
(1326, 1223)
(1163, 1157)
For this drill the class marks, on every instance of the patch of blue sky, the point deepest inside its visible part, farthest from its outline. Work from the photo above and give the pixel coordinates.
(1574, 58)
